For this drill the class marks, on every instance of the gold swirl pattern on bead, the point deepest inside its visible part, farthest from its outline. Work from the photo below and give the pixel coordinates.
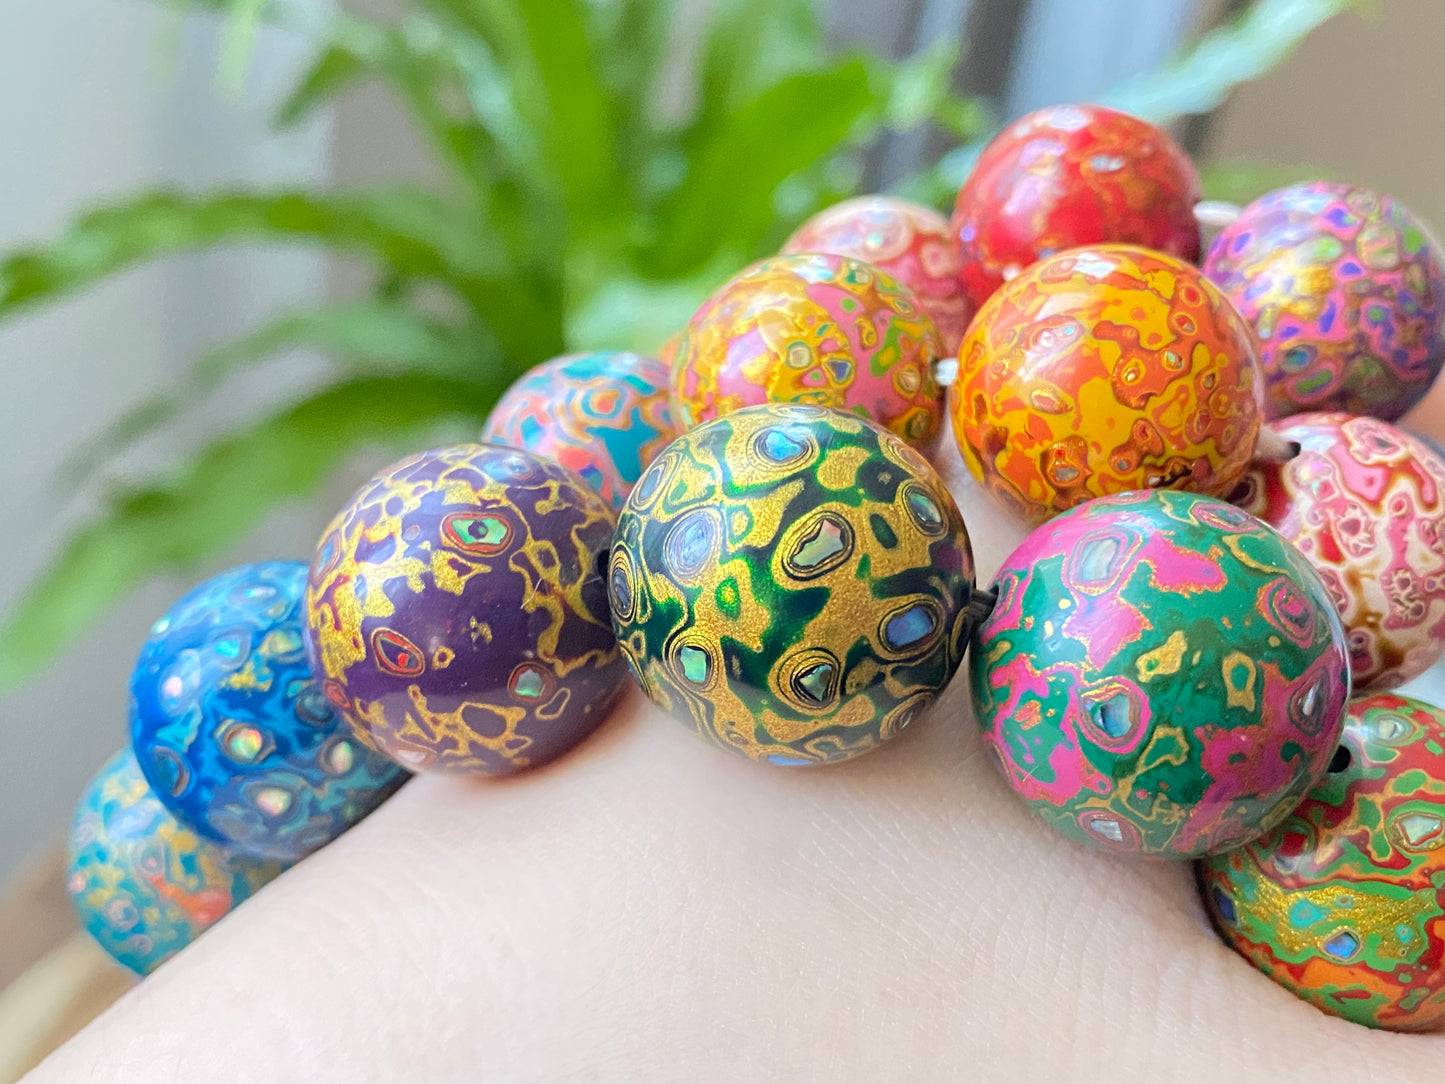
(792, 582)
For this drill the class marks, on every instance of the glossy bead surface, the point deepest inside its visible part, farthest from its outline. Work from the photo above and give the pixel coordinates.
(815, 329)
(1105, 370)
(1344, 903)
(603, 415)
(234, 734)
(1072, 175)
(911, 242)
(144, 884)
(1365, 502)
(1346, 292)
(1163, 674)
(457, 611)
(793, 583)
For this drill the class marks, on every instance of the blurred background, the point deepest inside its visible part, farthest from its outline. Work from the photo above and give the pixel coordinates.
(511, 200)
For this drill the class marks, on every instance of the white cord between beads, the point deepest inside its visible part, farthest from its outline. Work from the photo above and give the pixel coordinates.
(1215, 213)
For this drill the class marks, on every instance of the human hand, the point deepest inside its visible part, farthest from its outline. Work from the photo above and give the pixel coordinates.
(648, 909)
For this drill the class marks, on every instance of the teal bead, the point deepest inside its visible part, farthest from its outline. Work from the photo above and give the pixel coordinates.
(144, 884)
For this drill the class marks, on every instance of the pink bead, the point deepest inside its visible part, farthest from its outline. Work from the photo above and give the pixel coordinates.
(821, 330)
(1365, 503)
(911, 242)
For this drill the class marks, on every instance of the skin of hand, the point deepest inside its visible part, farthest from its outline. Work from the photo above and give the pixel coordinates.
(651, 909)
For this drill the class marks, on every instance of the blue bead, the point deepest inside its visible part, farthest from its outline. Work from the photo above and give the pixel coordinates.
(146, 885)
(232, 732)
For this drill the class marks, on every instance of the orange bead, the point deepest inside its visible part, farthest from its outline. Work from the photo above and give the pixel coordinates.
(818, 329)
(1102, 370)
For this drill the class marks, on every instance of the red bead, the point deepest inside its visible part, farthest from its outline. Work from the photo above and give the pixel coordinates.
(1072, 175)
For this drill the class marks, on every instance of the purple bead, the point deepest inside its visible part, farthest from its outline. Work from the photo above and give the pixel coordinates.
(457, 614)
(1346, 292)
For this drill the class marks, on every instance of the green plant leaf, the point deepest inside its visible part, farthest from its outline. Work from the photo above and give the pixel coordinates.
(216, 498)
(360, 336)
(404, 231)
(238, 41)
(545, 52)
(920, 87)
(726, 201)
(415, 59)
(1200, 77)
(1244, 182)
(628, 313)
(331, 73)
(581, 126)
(492, 100)
(749, 46)
(633, 35)
(1198, 80)
(363, 333)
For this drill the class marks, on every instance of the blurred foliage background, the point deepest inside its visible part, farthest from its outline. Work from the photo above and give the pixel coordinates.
(596, 173)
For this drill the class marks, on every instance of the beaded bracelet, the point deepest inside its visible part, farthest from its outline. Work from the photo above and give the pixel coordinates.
(750, 529)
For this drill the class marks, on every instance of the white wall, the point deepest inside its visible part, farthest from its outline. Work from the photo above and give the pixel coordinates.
(1363, 99)
(94, 104)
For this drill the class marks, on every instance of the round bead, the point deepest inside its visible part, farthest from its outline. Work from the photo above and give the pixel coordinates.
(817, 329)
(1365, 502)
(1104, 370)
(911, 242)
(1346, 292)
(793, 583)
(1344, 903)
(233, 733)
(1072, 175)
(145, 885)
(667, 352)
(457, 610)
(1163, 674)
(603, 415)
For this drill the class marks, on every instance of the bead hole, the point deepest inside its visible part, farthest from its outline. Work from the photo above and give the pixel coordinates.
(1341, 761)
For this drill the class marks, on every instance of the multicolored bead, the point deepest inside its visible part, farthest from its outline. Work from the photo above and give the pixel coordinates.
(1104, 370)
(817, 329)
(911, 242)
(792, 582)
(1163, 674)
(1365, 502)
(603, 415)
(1346, 292)
(458, 613)
(1072, 175)
(233, 733)
(1344, 903)
(667, 352)
(145, 885)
